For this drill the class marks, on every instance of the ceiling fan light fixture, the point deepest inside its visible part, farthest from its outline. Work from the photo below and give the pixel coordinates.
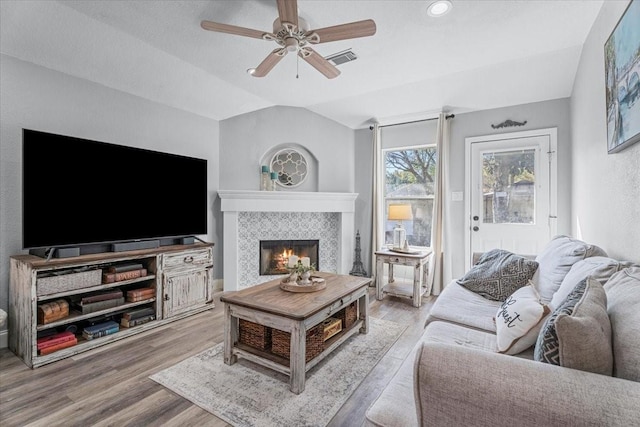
(291, 44)
(439, 8)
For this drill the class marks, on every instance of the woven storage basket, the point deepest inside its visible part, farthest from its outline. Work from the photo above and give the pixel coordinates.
(281, 342)
(254, 335)
(348, 315)
(62, 282)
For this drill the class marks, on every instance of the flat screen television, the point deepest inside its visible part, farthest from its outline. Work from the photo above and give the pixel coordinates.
(78, 192)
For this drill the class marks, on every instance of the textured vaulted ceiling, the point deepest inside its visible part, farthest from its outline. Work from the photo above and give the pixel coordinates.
(484, 54)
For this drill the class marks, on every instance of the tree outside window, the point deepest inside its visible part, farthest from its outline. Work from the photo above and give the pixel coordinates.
(508, 187)
(409, 179)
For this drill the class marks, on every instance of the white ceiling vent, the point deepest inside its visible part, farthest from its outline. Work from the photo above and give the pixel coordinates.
(342, 57)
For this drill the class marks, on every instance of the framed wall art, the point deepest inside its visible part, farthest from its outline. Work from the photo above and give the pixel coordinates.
(622, 75)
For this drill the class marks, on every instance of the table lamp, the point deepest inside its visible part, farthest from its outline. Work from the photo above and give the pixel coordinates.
(399, 213)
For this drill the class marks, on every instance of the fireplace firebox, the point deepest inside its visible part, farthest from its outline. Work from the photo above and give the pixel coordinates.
(275, 254)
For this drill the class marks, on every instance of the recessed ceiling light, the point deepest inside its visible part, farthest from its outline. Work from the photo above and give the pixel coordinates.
(251, 71)
(439, 8)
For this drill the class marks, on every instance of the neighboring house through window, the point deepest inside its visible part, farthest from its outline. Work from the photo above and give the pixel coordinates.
(409, 175)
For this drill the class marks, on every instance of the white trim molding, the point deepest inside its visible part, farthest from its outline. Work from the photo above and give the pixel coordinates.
(234, 202)
(552, 135)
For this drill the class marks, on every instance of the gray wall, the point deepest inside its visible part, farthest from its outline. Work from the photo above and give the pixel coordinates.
(538, 115)
(605, 187)
(410, 134)
(246, 139)
(39, 98)
(421, 133)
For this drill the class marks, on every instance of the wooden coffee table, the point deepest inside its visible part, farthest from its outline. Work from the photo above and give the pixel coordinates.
(296, 313)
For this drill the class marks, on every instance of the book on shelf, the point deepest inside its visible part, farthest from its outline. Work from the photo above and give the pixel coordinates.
(100, 329)
(124, 275)
(140, 312)
(141, 294)
(92, 307)
(90, 336)
(141, 298)
(100, 326)
(126, 323)
(141, 291)
(124, 267)
(101, 296)
(55, 339)
(53, 348)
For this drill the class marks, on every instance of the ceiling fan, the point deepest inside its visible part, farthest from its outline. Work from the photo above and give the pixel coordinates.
(291, 33)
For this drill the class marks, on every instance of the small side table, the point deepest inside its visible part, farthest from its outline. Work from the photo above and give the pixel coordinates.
(419, 263)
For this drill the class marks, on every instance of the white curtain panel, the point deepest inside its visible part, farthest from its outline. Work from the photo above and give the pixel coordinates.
(376, 200)
(440, 265)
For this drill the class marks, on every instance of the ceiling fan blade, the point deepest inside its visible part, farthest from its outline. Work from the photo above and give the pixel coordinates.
(351, 30)
(232, 29)
(269, 62)
(288, 11)
(319, 63)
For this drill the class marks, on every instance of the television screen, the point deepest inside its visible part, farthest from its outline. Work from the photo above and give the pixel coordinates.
(78, 192)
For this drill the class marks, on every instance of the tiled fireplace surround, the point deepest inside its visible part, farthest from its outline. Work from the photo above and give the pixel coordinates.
(251, 216)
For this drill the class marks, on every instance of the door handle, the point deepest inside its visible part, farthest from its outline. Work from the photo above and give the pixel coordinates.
(476, 228)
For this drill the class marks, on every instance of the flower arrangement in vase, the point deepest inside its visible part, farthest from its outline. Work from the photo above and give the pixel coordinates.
(302, 272)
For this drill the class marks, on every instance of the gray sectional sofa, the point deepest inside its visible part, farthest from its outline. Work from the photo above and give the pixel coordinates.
(455, 375)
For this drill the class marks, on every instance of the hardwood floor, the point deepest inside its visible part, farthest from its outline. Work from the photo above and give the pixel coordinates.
(109, 386)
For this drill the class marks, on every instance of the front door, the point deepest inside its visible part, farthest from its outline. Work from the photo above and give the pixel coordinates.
(511, 184)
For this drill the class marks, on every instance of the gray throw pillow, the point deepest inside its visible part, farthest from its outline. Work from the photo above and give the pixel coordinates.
(498, 274)
(557, 258)
(597, 267)
(623, 306)
(577, 334)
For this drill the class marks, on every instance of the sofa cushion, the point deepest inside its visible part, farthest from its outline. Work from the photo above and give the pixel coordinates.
(519, 320)
(557, 258)
(498, 274)
(396, 406)
(598, 267)
(458, 335)
(623, 306)
(459, 305)
(578, 333)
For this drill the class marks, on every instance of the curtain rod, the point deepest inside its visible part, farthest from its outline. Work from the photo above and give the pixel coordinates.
(448, 116)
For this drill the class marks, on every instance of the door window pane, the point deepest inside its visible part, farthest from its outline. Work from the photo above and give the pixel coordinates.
(508, 187)
(409, 179)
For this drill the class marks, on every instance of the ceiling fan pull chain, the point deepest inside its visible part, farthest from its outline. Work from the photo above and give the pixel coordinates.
(297, 66)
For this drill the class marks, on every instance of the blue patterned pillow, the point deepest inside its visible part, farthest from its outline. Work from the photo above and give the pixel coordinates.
(498, 274)
(547, 347)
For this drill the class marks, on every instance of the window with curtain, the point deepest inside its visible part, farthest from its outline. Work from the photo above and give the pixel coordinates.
(409, 176)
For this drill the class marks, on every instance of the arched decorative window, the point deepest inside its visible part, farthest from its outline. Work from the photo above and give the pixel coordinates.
(291, 166)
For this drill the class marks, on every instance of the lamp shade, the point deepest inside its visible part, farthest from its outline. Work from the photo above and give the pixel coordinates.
(399, 212)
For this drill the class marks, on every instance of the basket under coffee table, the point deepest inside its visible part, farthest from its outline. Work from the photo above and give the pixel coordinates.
(297, 314)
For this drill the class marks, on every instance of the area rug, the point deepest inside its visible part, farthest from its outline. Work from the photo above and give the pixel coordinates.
(246, 394)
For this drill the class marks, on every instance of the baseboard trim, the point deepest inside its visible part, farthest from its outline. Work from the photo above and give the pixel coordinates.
(218, 285)
(4, 339)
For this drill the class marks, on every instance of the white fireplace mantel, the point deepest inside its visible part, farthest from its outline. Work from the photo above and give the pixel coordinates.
(235, 201)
